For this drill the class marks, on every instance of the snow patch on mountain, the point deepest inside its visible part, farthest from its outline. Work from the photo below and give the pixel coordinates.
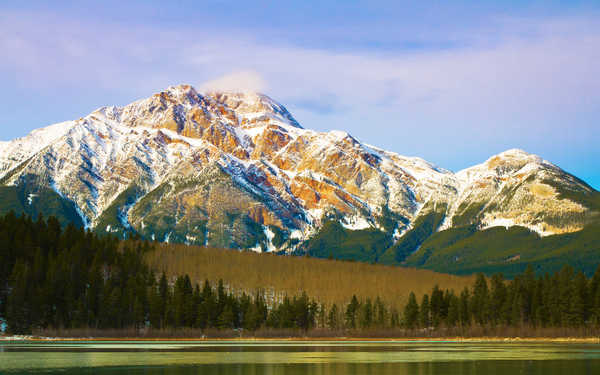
(30, 197)
(355, 223)
(256, 248)
(539, 228)
(269, 235)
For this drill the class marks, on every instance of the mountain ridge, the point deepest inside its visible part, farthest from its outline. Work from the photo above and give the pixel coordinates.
(237, 170)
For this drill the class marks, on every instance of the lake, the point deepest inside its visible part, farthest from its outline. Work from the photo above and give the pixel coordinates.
(289, 357)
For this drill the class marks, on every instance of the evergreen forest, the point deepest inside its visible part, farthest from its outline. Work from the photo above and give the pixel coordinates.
(64, 277)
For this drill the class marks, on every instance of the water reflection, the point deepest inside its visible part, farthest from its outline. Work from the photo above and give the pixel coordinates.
(298, 358)
(423, 368)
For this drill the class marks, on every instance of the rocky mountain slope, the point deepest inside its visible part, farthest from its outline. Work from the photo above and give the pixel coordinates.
(237, 170)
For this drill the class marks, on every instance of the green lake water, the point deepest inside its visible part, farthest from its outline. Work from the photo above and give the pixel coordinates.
(280, 357)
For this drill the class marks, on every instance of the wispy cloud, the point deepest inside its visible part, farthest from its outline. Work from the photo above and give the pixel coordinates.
(237, 81)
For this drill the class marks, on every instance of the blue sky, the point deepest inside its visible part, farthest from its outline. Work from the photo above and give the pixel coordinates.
(452, 82)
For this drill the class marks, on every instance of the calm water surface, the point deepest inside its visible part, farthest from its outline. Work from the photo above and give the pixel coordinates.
(276, 357)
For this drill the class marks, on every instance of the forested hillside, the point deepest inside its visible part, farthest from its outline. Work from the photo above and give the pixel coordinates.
(53, 276)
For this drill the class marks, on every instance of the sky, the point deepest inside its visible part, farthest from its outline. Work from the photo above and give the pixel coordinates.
(453, 82)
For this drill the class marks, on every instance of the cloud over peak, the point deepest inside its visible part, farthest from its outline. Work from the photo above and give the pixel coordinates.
(241, 81)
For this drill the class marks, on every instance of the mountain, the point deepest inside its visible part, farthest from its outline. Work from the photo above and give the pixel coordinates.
(513, 210)
(236, 170)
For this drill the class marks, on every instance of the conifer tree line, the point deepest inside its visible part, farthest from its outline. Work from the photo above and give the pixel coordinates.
(57, 278)
(54, 278)
(564, 299)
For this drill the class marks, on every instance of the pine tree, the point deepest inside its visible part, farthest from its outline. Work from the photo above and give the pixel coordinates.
(453, 316)
(252, 318)
(179, 299)
(380, 313)
(303, 312)
(285, 314)
(115, 311)
(537, 305)
(497, 298)
(516, 316)
(155, 308)
(208, 310)
(366, 314)
(464, 308)
(556, 303)
(18, 315)
(221, 298)
(351, 312)
(394, 318)
(189, 306)
(425, 312)
(437, 308)
(196, 302)
(546, 298)
(261, 307)
(411, 312)
(480, 300)
(332, 317)
(565, 278)
(226, 319)
(139, 315)
(579, 307)
(528, 290)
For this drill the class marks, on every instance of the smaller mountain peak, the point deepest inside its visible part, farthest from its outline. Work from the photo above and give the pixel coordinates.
(506, 162)
(515, 152)
(514, 155)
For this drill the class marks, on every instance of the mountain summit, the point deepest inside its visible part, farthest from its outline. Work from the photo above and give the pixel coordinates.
(237, 170)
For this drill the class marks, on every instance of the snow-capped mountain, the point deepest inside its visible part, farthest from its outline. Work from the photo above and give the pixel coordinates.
(517, 188)
(237, 170)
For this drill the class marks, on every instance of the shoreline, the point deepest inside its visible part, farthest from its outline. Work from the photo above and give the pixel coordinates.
(574, 340)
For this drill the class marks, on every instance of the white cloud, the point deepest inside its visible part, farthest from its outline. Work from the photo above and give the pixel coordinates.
(237, 81)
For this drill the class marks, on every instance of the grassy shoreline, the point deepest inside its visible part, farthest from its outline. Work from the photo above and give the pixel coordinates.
(468, 334)
(574, 340)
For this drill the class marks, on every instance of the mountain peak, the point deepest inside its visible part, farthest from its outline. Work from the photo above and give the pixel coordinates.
(514, 152)
(249, 106)
(181, 91)
(517, 154)
(513, 157)
(504, 164)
